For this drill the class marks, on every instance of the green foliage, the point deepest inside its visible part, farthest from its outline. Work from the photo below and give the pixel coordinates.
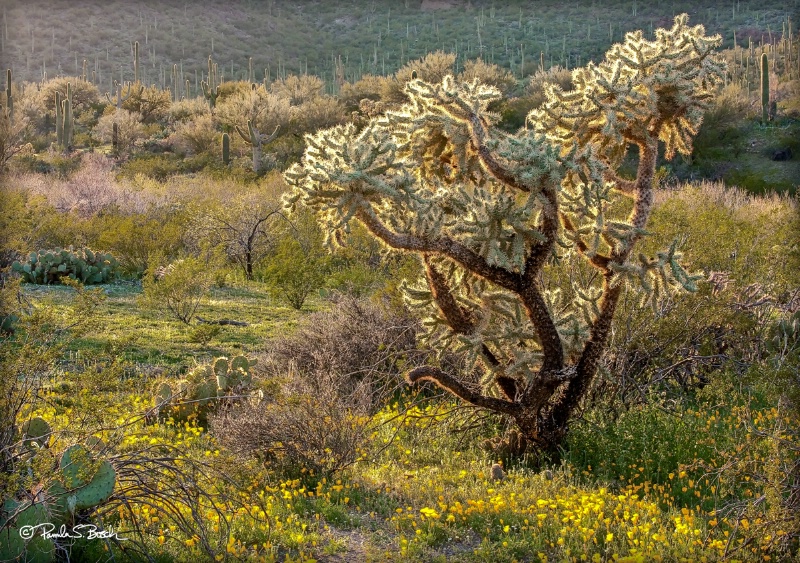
(179, 288)
(203, 333)
(50, 266)
(162, 166)
(295, 271)
(134, 237)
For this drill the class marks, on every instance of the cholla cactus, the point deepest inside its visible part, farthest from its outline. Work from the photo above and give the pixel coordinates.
(486, 211)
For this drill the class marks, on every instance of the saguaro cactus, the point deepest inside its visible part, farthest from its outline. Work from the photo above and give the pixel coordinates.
(256, 140)
(211, 88)
(136, 62)
(764, 88)
(9, 97)
(120, 98)
(69, 120)
(59, 120)
(226, 149)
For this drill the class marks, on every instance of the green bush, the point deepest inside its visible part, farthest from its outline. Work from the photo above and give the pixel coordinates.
(178, 288)
(134, 237)
(295, 271)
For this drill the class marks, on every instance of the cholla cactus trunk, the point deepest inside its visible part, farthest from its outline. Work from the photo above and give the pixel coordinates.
(764, 88)
(485, 211)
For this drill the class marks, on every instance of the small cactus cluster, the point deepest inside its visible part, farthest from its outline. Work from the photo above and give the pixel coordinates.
(49, 266)
(194, 395)
(81, 482)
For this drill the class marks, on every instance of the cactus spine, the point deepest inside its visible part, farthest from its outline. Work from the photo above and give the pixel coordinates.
(764, 88)
(256, 140)
(226, 149)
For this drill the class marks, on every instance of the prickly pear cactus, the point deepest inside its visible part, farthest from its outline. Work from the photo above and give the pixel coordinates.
(49, 266)
(12, 545)
(88, 482)
(82, 482)
(196, 394)
(36, 433)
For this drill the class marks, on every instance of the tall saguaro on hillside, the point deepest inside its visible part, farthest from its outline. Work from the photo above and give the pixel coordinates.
(488, 211)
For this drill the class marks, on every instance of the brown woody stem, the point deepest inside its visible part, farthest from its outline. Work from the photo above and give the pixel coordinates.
(454, 386)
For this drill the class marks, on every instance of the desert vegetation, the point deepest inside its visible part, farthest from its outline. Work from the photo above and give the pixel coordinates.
(462, 282)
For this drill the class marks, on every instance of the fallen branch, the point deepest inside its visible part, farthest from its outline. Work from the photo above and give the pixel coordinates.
(221, 322)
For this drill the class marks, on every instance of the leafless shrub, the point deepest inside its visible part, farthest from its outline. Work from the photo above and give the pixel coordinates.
(320, 427)
(196, 136)
(557, 75)
(353, 342)
(129, 129)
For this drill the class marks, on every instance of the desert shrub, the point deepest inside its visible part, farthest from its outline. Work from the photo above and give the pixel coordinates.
(355, 341)
(743, 245)
(368, 87)
(28, 103)
(488, 73)
(433, 67)
(151, 103)
(355, 279)
(129, 129)
(539, 81)
(321, 428)
(298, 90)
(295, 271)
(244, 220)
(156, 166)
(720, 135)
(12, 136)
(188, 110)
(178, 288)
(324, 111)
(196, 136)
(84, 94)
(267, 112)
(134, 237)
(790, 100)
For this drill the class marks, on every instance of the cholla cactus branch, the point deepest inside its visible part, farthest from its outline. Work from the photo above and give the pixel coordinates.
(486, 211)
